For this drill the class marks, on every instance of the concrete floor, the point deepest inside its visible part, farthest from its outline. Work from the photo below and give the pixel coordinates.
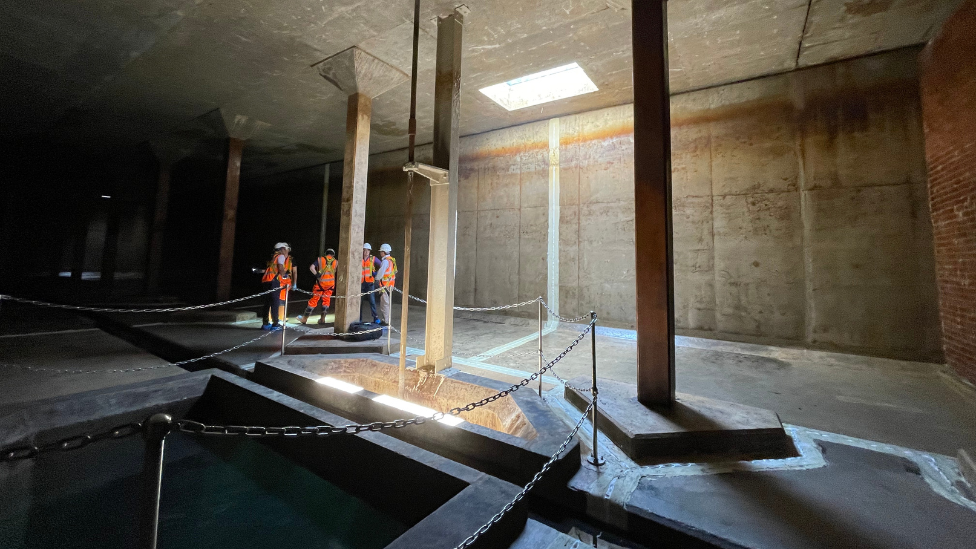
(855, 493)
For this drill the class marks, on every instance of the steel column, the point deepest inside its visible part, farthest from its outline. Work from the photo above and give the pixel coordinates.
(652, 198)
(443, 198)
(225, 268)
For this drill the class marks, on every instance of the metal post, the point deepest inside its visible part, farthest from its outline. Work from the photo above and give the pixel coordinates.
(284, 321)
(157, 428)
(594, 458)
(540, 346)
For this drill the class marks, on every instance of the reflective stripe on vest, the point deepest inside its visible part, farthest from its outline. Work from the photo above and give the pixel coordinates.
(369, 269)
(389, 276)
(327, 270)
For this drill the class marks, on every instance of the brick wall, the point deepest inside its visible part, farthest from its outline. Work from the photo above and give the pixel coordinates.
(948, 85)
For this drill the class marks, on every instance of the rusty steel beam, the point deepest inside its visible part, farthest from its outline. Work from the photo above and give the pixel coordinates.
(652, 199)
(225, 268)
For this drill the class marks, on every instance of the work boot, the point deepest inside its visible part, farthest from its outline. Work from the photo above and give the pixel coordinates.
(322, 320)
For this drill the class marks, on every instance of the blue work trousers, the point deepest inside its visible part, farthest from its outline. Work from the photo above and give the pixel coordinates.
(367, 287)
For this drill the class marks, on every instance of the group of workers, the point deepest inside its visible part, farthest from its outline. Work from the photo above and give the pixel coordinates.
(281, 274)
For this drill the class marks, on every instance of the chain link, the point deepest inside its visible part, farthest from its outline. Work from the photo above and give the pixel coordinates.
(193, 427)
(495, 308)
(562, 318)
(111, 310)
(308, 330)
(129, 370)
(361, 294)
(528, 487)
(30, 451)
(566, 383)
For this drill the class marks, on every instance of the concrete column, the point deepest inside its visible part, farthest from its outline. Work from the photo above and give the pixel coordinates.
(652, 199)
(443, 198)
(110, 250)
(352, 220)
(225, 267)
(325, 211)
(362, 77)
(158, 229)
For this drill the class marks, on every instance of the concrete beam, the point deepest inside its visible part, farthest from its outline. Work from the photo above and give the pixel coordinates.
(441, 258)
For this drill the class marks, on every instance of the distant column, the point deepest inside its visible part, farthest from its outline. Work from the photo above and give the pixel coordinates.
(228, 228)
(161, 208)
(325, 211)
(442, 248)
(110, 249)
(362, 77)
(652, 200)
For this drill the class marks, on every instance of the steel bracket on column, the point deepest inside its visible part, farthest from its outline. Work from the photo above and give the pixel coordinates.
(437, 176)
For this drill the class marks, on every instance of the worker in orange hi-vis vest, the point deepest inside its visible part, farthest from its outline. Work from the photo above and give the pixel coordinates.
(280, 273)
(387, 276)
(324, 270)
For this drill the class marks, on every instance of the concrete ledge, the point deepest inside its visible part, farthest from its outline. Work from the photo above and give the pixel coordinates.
(214, 316)
(967, 465)
(325, 343)
(694, 429)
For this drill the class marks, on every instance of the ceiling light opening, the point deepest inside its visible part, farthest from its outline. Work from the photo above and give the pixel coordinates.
(541, 87)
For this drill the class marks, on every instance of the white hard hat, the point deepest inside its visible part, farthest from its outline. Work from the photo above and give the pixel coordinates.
(366, 246)
(386, 248)
(281, 245)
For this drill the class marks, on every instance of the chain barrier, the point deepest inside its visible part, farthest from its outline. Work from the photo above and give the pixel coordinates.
(361, 294)
(562, 318)
(565, 383)
(129, 370)
(528, 487)
(307, 330)
(70, 443)
(194, 427)
(111, 310)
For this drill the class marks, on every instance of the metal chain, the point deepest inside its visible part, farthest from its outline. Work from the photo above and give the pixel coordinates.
(308, 330)
(566, 383)
(111, 310)
(194, 427)
(528, 487)
(128, 370)
(71, 443)
(361, 294)
(495, 308)
(562, 318)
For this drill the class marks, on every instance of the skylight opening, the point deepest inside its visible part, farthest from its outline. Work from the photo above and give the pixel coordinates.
(541, 87)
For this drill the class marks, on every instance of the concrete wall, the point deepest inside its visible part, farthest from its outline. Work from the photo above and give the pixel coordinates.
(949, 100)
(799, 206)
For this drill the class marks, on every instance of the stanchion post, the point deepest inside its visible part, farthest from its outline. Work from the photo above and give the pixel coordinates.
(540, 346)
(284, 321)
(594, 458)
(157, 427)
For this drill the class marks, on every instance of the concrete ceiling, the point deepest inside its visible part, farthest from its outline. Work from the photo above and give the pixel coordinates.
(102, 74)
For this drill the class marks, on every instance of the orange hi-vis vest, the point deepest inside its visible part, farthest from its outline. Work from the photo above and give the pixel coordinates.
(327, 269)
(389, 277)
(271, 272)
(369, 269)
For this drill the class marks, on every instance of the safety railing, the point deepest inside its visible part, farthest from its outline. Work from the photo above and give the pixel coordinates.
(158, 426)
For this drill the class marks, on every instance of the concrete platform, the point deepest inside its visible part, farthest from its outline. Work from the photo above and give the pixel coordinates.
(694, 429)
(322, 342)
(967, 465)
(214, 316)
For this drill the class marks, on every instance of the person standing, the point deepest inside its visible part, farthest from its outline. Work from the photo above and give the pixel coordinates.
(278, 275)
(387, 277)
(324, 270)
(370, 265)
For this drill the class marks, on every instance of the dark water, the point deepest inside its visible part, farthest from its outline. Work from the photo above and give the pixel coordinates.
(229, 494)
